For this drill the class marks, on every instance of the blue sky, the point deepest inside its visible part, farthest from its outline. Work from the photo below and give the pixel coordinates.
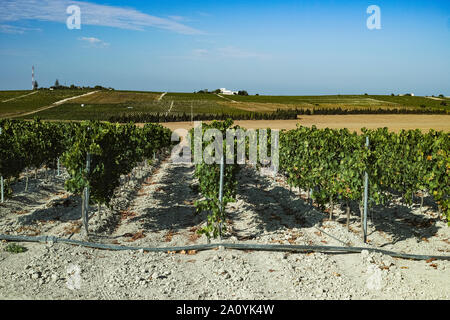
(266, 47)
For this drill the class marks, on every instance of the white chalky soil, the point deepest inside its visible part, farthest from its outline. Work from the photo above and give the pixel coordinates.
(156, 209)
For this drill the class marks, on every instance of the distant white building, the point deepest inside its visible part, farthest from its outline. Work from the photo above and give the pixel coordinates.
(227, 92)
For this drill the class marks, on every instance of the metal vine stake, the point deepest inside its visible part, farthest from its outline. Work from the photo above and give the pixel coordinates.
(366, 195)
(85, 205)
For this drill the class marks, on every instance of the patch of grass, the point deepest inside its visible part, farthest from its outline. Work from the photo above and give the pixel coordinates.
(103, 112)
(311, 101)
(179, 96)
(412, 102)
(71, 111)
(15, 248)
(38, 100)
(6, 95)
(117, 97)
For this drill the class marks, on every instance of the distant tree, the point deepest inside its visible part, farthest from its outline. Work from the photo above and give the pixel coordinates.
(243, 93)
(35, 85)
(441, 96)
(257, 94)
(217, 91)
(392, 95)
(56, 84)
(365, 94)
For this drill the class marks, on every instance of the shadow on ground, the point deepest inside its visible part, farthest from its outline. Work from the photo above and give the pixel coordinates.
(401, 223)
(62, 210)
(278, 208)
(175, 198)
(275, 207)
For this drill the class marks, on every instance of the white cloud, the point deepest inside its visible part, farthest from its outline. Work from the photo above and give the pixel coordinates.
(95, 42)
(5, 28)
(91, 14)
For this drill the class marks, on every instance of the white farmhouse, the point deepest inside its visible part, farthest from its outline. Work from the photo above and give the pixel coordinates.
(227, 92)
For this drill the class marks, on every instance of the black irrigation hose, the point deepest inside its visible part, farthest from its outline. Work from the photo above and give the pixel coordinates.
(236, 246)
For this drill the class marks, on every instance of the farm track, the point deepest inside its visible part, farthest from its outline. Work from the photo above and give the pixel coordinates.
(23, 96)
(155, 208)
(170, 108)
(162, 96)
(435, 98)
(228, 99)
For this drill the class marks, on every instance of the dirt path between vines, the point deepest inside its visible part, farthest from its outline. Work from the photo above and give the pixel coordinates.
(155, 207)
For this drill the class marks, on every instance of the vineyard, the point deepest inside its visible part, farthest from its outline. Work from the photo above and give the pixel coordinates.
(331, 164)
(95, 154)
(140, 107)
(316, 200)
(279, 114)
(15, 103)
(246, 154)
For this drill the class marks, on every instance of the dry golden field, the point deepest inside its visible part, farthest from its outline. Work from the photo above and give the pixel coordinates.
(352, 122)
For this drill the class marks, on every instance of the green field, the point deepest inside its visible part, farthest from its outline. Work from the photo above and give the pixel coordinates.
(6, 95)
(344, 101)
(30, 103)
(106, 104)
(192, 97)
(103, 105)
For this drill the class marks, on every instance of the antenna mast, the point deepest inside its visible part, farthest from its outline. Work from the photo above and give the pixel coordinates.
(32, 78)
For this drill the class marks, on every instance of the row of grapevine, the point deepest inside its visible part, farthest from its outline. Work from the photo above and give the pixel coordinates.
(209, 180)
(332, 164)
(30, 144)
(279, 114)
(113, 150)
